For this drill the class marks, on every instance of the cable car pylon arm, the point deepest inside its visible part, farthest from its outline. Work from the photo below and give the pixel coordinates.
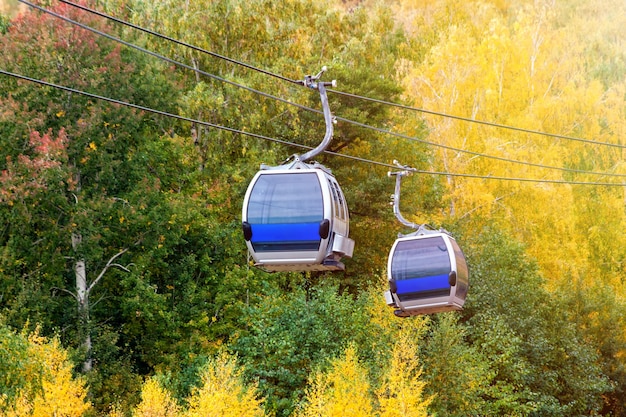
(395, 198)
(314, 82)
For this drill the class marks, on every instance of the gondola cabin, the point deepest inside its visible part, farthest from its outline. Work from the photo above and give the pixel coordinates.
(427, 273)
(295, 218)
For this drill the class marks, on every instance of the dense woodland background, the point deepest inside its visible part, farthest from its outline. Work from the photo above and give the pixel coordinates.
(125, 286)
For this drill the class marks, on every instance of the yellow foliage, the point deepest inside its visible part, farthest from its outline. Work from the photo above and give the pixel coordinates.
(401, 393)
(223, 392)
(20, 408)
(523, 68)
(155, 401)
(342, 392)
(317, 401)
(61, 395)
(116, 411)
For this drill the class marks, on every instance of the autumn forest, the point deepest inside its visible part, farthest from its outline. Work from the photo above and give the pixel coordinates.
(129, 133)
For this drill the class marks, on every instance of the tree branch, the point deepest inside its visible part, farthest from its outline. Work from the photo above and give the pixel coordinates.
(75, 296)
(106, 268)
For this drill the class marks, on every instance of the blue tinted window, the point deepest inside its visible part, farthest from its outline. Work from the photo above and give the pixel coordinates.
(419, 258)
(286, 198)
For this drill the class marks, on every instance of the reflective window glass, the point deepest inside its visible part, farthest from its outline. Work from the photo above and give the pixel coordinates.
(420, 258)
(461, 263)
(343, 210)
(462, 270)
(286, 198)
(333, 192)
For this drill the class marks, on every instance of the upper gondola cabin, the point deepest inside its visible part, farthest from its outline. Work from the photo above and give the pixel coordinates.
(295, 218)
(427, 273)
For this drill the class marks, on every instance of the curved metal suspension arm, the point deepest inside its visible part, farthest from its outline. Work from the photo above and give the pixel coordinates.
(395, 198)
(313, 82)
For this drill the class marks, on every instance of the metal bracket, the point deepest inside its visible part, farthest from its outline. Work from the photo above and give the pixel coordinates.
(395, 198)
(313, 82)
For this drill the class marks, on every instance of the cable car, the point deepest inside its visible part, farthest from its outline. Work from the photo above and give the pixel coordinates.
(295, 216)
(427, 273)
(426, 269)
(296, 219)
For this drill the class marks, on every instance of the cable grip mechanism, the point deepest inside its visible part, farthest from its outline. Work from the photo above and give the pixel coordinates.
(312, 81)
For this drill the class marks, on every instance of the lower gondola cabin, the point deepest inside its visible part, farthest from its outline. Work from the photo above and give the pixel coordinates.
(427, 273)
(296, 219)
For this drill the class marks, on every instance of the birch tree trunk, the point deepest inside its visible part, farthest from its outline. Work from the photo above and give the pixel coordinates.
(83, 289)
(82, 298)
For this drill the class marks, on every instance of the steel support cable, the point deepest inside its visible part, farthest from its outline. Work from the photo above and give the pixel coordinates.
(267, 95)
(163, 57)
(387, 103)
(148, 109)
(497, 158)
(284, 142)
(384, 131)
(170, 39)
(470, 120)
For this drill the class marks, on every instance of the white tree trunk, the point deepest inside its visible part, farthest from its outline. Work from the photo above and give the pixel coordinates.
(83, 289)
(82, 297)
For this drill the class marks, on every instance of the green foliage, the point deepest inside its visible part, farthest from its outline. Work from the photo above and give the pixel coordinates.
(526, 335)
(96, 184)
(288, 335)
(116, 381)
(13, 360)
(601, 316)
(169, 193)
(5, 22)
(456, 373)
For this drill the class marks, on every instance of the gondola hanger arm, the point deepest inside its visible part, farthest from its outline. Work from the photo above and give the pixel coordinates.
(313, 81)
(395, 198)
(395, 201)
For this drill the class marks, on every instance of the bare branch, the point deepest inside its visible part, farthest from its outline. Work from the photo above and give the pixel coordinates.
(122, 267)
(74, 295)
(126, 203)
(92, 305)
(106, 268)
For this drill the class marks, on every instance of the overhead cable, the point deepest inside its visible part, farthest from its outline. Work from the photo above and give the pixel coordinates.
(162, 57)
(387, 103)
(257, 136)
(384, 131)
(470, 120)
(185, 44)
(363, 125)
